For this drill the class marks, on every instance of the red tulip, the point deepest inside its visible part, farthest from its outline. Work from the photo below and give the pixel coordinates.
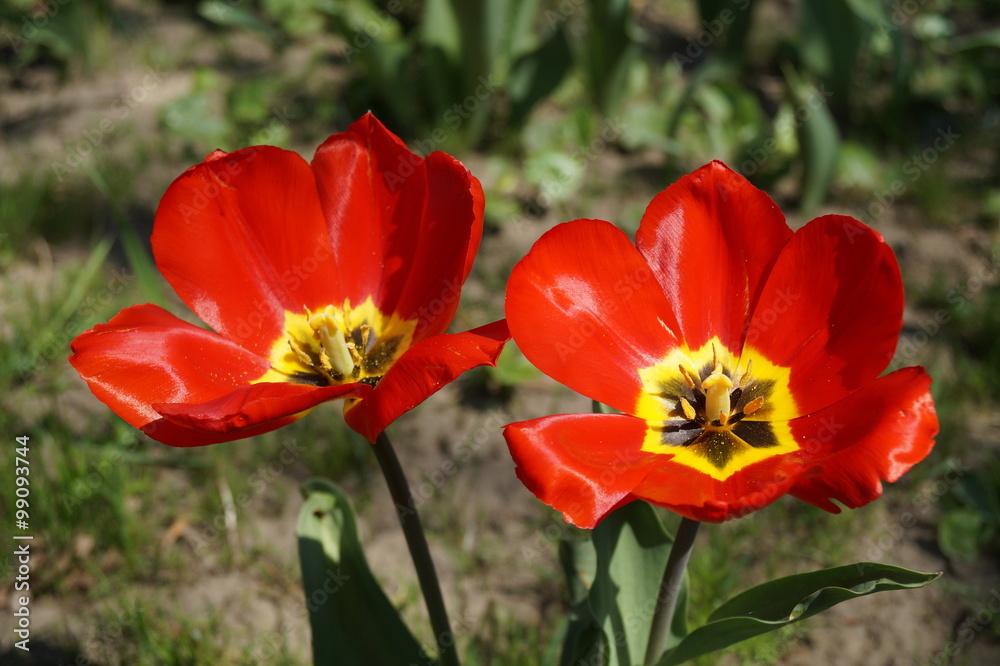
(745, 359)
(335, 279)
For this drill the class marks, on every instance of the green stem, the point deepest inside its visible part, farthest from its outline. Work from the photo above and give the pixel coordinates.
(409, 519)
(670, 588)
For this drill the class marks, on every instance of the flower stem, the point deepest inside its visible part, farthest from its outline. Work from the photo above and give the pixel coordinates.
(663, 616)
(409, 519)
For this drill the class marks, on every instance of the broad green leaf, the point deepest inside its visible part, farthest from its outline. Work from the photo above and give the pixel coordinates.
(353, 622)
(613, 580)
(632, 548)
(787, 600)
(830, 39)
(534, 76)
(582, 638)
(608, 52)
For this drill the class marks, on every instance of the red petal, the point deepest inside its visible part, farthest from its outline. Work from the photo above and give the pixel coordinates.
(584, 465)
(163, 430)
(421, 371)
(584, 309)
(241, 238)
(876, 433)
(698, 496)
(145, 356)
(831, 310)
(412, 225)
(711, 239)
(254, 405)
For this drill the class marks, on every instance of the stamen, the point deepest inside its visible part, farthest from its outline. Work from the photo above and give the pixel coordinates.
(687, 377)
(366, 338)
(688, 410)
(745, 375)
(723, 418)
(300, 353)
(753, 405)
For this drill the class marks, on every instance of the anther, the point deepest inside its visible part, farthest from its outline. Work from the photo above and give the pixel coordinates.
(753, 405)
(688, 410)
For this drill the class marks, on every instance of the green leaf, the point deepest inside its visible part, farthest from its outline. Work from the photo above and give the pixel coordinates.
(535, 75)
(352, 620)
(139, 259)
(819, 140)
(612, 581)
(512, 368)
(233, 16)
(608, 52)
(962, 533)
(787, 600)
(582, 637)
(632, 548)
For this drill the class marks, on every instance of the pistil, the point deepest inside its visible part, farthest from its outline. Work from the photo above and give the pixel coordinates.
(717, 387)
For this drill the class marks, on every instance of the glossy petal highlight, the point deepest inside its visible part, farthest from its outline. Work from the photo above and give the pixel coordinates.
(585, 310)
(711, 239)
(584, 465)
(145, 356)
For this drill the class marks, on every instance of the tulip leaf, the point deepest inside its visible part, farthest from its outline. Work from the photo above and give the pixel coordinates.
(535, 75)
(352, 620)
(819, 139)
(786, 600)
(618, 569)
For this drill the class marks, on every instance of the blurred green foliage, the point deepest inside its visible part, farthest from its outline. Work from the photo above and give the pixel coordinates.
(540, 80)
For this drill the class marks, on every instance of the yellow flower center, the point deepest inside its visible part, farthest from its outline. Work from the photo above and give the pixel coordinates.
(714, 412)
(338, 345)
